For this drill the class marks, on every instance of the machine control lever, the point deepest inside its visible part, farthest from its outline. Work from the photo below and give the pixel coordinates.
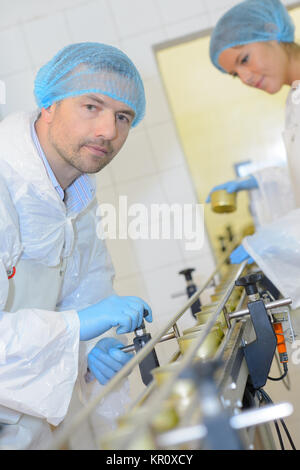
(191, 289)
(150, 361)
(250, 283)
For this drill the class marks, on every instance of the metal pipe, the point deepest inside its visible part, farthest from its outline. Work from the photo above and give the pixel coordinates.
(229, 332)
(269, 306)
(131, 347)
(176, 331)
(243, 420)
(261, 415)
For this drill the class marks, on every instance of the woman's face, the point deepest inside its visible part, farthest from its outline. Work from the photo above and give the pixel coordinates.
(263, 65)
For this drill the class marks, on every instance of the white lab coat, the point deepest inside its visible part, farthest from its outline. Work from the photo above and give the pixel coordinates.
(61, 266)
(276, 244)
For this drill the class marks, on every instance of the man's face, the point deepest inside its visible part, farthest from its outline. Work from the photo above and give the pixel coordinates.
(87, 131)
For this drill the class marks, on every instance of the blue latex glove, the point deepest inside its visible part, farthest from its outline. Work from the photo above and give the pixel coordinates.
(106, 359)
(236, 186)
(125, 312)
(239, 255)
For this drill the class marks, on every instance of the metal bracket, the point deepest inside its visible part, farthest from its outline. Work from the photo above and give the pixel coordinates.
(259, 354)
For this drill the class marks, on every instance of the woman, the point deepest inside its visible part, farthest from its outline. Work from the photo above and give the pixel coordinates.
(255, 42)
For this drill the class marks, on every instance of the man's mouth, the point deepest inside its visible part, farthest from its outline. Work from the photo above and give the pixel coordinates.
(97, 150)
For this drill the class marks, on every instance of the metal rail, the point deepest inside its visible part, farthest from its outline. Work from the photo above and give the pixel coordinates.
(269, 306)
(60, 437)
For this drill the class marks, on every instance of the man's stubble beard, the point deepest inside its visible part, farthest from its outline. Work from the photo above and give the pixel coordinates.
(73, 157)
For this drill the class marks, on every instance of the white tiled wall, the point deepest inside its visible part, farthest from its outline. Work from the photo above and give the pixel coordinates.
(151, 167)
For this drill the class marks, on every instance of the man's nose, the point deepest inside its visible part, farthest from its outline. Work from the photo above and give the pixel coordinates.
(106, 125)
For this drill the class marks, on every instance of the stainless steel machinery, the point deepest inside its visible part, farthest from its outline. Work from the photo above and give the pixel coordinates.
(210, 395)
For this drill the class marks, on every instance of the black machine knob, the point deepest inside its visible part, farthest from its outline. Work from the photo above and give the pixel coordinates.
(250, 282)
(187, 273)
(222, 241)
(191, 289)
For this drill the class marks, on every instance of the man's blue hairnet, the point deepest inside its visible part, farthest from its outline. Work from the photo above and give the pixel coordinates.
(251, 21)
(91, 67)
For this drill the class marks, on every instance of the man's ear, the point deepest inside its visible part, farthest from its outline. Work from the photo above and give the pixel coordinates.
(48, 113)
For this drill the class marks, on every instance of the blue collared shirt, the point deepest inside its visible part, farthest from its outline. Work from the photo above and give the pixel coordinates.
(76, 196)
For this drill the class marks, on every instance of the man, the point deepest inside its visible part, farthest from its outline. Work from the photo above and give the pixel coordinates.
(55, 275)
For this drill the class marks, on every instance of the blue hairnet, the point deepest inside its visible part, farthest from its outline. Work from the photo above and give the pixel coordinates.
(251, 21)
(91, 67)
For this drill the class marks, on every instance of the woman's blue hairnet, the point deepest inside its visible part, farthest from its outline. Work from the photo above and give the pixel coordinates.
(91, 67)
(251, 21)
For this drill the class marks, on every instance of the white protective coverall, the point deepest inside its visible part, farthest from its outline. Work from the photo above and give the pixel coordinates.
(275, 246)
(61, 266)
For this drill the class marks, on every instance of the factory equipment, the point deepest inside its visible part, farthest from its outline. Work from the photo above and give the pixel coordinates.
(210, 395)
(191, 288)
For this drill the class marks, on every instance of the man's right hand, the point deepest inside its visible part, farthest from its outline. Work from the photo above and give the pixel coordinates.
(126, 312)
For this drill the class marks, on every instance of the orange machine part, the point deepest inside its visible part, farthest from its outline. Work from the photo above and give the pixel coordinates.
(281, 347)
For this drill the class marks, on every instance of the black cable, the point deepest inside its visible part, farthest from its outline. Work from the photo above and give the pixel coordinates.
(266, 399)
(269, 400)
(286, 382)
(284, 426)
(285, 368)
(279, 435)
(288, 434)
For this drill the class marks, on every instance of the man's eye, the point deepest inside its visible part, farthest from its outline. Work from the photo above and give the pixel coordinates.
(90, 107)
(123, 118)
